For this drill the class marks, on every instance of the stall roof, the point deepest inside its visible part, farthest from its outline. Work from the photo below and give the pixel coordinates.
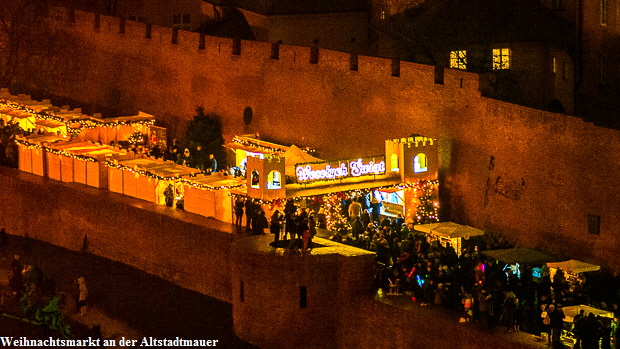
(293, 156)
(44, 138)
(217, 180)
(449, 229)
(295, 190)
(254, 145)
(86, 148)
(50, 123)
(520, 255)
(165, 169)
(573, 310)
(574, 266)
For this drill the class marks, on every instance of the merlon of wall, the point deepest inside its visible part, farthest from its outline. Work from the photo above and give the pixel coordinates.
(191, 43)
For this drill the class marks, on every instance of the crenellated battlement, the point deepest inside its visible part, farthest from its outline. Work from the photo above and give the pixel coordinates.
(416, 141)
(251, 51)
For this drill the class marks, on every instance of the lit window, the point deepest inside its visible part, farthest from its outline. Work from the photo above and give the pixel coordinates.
(458, 59)
(254, 179)
(273, 180)
(602, 4)
(181, 21)
(554, 65)
(420, 163)
(394, 162)
(501, 58)
(382, 15)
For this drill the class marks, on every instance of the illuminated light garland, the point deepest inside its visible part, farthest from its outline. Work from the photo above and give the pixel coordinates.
(247, 143)
(65, 153)
(251, 144)
(333, 208)
(428, 209)
(419, 185)
(82, 123)
(209, 187)
(137, 138)
(140, 172)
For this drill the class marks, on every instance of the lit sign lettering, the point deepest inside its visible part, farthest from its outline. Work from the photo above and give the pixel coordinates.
(352, 168)
(358, 168)
(306, 173)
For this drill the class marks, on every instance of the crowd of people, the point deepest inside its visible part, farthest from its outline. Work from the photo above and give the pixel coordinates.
(35, 297)
(293, 228)
(482, 289)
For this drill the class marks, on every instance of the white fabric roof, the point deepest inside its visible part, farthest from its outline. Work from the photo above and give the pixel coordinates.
(294, 155)
(449, 230)
(573, 310)
(574, 266)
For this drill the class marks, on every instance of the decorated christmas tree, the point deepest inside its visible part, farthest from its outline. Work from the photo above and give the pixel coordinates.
(336, 221)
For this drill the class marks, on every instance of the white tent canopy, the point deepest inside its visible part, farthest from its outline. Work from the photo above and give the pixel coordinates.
(573, 310)
(449, 230)
(574, 266)
(294, 155)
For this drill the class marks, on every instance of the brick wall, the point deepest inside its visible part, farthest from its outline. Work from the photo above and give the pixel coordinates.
(528, 174)
(183, 248)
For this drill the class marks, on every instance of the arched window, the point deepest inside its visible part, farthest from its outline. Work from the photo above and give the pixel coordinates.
(255, 179)
(273, 180)
(394, 162)
(420, 163)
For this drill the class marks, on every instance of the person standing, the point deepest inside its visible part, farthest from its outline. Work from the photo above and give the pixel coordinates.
(249, 213)
(260, 223)
(239, 204)
(169, 195)
(376, 208)
(211, 165)
(16, 281)
(274, 226)
(82, 295)
(355, 210)
(557, 324)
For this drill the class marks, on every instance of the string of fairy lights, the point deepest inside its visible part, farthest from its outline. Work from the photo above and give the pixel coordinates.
(177, 178)
(424, 191)
(73, 125)
(136, 170)
(266, 148)
(30, 145)
(207, 187)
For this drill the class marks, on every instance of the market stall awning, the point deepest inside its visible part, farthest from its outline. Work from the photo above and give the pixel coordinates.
(449, 230)
(255, 145)
(293, 156)
(573, 310)
(520, 255)
(574, 266)
(300, 190)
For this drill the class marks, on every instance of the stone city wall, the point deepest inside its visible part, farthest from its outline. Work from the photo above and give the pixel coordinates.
(186, 249)
(534, 176)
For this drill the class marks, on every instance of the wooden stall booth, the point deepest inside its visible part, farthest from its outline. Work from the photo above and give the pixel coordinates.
(147, 178)
(209, 195)
(453, 233)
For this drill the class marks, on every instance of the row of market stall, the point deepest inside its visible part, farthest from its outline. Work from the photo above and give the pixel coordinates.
(69, 146)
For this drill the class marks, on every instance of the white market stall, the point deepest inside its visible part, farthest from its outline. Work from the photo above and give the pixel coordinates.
(513, 257)
(208, 195)
(571, 311)
(572, 269)
(449, 232)
(146, 178)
